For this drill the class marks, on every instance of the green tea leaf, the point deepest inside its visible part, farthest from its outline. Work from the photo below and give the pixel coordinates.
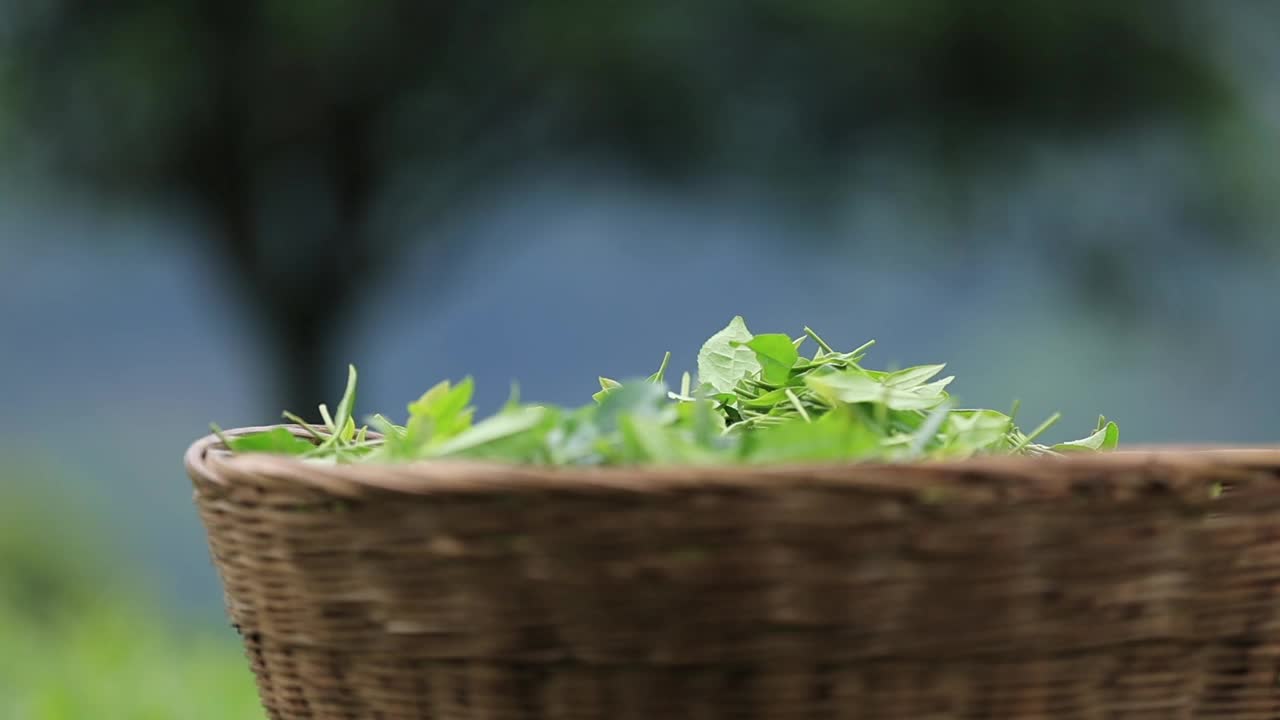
(328, 419)
(1024, 441)
(1112, 440)
(573, 440)
(311, 430)
(834, 436)
(607, 386)
(513, 397)
(722, 363)
(794, 399)
(756, 400)
(346, 428)
(645, 442)
(347, 433)
(857, 387)
(442, 412)
(278, 441)
(972, 431)
(635, 399)
(913, 376)
(776, 354)
(927, 433)
(393, 445)
(492, 430)
(385, 426)
(1106, 438)
(823, 347)
(767, 400)
(668, 444)
(683, 395)
(662, 370)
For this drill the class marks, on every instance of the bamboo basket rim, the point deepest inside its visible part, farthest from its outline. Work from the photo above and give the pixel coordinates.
(980, 479)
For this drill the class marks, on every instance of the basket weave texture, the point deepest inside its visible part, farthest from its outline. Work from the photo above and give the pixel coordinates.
(1128, 585)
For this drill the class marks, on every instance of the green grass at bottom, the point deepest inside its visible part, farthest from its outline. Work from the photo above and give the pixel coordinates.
(118, 662)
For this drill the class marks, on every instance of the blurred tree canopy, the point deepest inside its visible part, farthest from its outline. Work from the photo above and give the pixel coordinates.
(308, 135)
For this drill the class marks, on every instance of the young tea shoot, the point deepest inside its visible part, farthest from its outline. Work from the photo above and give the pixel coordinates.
(755, 399)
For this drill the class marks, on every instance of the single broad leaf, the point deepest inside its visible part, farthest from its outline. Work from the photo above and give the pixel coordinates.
(913, 376)
(1104, 439)
(721, 363)
(776, 354)
(277, 441)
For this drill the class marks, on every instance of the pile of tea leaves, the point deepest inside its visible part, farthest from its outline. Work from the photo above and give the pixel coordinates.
(756, 399)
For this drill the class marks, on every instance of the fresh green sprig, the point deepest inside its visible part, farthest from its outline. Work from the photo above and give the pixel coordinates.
(756, 400)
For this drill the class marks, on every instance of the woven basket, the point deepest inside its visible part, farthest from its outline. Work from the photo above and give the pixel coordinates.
(1127, 585)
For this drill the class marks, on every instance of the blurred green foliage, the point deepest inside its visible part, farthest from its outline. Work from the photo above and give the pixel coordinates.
(79, 636)
(116, 660)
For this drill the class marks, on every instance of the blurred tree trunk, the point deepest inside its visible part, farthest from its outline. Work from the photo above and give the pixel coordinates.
(296, 291)
(301, 296)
